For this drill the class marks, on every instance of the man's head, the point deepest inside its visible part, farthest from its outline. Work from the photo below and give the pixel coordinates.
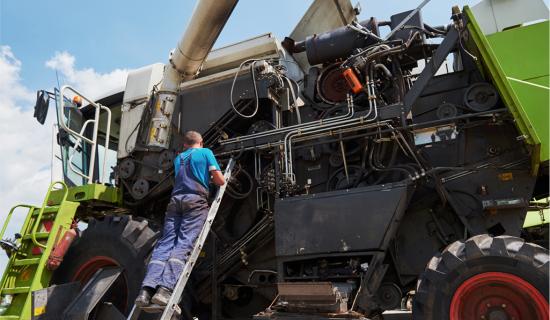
(192, 139)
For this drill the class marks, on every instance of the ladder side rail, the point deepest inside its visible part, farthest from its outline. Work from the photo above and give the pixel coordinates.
(80, 135)
(12, 258)
(37, 222)
(182, 281)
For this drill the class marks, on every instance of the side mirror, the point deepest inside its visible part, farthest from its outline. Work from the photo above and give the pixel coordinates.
(41, 107)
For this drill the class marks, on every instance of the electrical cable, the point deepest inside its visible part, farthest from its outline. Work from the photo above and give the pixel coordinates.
(254, 85)
(294, 98)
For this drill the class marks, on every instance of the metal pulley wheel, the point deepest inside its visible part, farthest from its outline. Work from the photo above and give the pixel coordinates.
(338, 179)
(481, 97)
(389, 295)
(335, 160)
(166, 159)
(140, 188)
(126, 168)
(446, 111)
(261, 126)
(332, 85)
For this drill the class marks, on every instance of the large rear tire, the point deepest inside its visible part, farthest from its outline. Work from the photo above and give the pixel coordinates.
(485, 278)
(116, 241)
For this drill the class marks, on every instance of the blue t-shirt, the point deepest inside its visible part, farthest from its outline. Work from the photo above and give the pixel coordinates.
(202, 162)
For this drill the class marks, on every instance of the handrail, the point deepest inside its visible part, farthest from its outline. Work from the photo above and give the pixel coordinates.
(11, 212)
(37, 222)
(81, 136)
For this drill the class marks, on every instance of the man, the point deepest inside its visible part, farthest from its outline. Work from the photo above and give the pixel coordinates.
(184, 220)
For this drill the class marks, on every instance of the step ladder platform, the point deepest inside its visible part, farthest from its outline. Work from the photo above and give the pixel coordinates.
(155, 308)
(93, 291)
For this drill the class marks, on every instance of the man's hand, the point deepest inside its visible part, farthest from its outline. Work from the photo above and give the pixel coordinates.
(219, 180)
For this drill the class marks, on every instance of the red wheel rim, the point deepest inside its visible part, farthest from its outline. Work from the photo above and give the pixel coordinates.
(118, 294)
(495, 295)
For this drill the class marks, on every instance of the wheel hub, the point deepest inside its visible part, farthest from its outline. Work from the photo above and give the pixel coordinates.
(498, 296)
(497, 313)
(481, 97)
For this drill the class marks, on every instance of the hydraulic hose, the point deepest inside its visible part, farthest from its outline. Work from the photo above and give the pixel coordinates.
(237, 195)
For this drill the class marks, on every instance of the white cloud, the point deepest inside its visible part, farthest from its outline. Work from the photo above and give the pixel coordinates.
(26, 145)
(87, 81)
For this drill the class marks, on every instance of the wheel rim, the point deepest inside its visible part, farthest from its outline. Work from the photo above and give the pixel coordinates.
(118, 293)
(498, 296)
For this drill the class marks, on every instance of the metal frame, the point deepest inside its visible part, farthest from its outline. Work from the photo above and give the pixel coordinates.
(447, 45)
(81, 137)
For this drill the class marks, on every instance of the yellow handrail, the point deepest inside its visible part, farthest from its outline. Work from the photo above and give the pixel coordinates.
(9, 216)
(33, 233)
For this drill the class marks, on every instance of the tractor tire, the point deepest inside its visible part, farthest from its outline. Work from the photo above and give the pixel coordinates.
(116, 241)
(485, 277)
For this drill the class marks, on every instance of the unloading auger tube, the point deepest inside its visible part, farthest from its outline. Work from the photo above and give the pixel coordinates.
(186, 60)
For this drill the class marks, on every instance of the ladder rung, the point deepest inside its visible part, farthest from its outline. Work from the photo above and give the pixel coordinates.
(16, 290)
(153, 308)
(39, 235)
(25, 262)
(51, 209)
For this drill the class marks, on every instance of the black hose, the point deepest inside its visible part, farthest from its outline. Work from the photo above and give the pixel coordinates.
(237, 195)
(240, 154)
(407, 174)
(391, 163)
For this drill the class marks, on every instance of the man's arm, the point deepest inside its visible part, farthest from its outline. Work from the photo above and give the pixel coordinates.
(214, 169)
(219, 180)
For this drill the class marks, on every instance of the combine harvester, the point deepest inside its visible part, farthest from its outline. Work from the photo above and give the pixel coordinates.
(359, 184)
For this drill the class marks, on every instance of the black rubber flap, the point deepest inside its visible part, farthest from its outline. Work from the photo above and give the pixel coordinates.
(94, 290)
(106, 311)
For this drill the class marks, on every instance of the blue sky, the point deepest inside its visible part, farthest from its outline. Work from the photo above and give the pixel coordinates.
(109, 35)
(94, 44)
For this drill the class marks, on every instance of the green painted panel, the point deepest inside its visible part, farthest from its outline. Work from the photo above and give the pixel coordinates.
(541, 81)
(522, 52)
(89, 192)
(533, 218)
(535, 102)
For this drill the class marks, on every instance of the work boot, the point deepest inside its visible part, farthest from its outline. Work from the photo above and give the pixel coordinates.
(162, 296)
(144, 297)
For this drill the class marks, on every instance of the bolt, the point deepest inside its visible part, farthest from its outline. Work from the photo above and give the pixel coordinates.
(504, 305)
(513, 318)
(482, 316)
(488, 305)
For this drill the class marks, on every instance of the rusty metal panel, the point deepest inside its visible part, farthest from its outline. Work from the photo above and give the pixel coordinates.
(307, 291)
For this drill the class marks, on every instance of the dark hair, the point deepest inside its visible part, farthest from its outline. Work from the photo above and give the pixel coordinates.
(192, 137)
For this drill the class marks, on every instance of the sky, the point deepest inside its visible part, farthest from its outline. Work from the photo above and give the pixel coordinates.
(93, 45)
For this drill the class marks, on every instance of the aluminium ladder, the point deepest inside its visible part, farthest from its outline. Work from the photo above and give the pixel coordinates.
(172, 306)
